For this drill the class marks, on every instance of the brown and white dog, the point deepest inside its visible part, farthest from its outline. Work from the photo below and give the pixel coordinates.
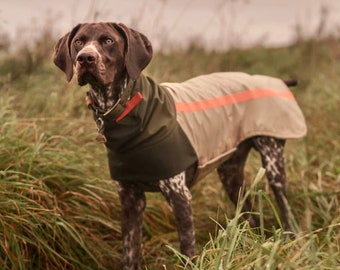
(165, 137)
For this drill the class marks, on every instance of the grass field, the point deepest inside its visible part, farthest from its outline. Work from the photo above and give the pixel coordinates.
(59, 209)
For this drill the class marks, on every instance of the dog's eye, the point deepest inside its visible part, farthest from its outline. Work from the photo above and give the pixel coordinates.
(78, 43)
(108, 41)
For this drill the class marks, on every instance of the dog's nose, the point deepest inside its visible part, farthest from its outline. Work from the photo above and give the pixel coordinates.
(86, 58)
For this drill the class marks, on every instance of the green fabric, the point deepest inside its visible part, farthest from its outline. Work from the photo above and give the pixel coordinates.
(148, 144)
(155, 142)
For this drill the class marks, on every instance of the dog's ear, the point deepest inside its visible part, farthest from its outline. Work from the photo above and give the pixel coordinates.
(62, 54)
(138, 50)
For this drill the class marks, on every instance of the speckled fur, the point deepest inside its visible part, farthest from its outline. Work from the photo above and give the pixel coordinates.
(271, 152)
(179, 197)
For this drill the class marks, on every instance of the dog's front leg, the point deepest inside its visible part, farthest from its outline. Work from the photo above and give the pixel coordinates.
(133, 204)
(179, 197)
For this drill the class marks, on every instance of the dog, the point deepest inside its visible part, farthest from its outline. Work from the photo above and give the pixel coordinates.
(165, 137)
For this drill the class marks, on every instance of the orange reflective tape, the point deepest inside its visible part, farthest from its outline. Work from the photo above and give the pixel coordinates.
(130, 105)
(230, 99)
(89, 101)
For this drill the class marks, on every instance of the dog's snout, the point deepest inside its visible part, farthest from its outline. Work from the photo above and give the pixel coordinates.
(86, 58)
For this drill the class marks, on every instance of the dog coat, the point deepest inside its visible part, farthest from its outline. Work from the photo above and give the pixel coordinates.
(201, 120)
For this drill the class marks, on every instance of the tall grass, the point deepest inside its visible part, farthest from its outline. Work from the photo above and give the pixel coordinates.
(60, 210)
(46, 197)
(237, 246)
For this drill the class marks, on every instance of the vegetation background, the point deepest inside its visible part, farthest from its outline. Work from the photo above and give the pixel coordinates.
(59, 208)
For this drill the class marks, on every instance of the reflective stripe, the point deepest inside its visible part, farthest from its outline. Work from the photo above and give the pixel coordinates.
(230, 99)
(130, 105)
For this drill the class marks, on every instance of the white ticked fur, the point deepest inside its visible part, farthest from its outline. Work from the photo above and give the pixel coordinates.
(105, 97)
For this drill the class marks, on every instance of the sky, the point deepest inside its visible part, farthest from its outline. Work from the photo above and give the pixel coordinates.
(217, 24)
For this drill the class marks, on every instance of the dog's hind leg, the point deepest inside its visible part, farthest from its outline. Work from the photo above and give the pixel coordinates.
(271, 151)
(133, 205)
(178, 196)
(231, 174)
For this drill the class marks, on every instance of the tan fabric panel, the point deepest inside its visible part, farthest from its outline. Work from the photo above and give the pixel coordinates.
(220, 110)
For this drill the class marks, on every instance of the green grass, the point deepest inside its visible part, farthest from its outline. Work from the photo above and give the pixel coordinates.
(60, 210)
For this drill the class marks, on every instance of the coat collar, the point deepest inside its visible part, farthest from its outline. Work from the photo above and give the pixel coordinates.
(117, 109)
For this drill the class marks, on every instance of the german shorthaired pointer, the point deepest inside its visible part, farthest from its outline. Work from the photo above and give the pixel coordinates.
(164, 137)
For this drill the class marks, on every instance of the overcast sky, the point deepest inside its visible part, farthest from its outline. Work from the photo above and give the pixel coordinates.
(213, 23)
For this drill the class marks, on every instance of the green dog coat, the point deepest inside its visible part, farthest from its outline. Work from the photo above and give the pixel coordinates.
(171, 126)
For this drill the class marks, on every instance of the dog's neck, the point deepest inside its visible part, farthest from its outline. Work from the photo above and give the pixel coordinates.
(105, 97)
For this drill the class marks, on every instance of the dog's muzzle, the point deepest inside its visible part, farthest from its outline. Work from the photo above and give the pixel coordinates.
(87, 59)
(87, 65)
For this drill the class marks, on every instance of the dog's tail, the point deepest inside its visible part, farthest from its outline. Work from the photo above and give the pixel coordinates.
(292, 82)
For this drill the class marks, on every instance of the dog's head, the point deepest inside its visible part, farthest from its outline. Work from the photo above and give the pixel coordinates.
(100, 53)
